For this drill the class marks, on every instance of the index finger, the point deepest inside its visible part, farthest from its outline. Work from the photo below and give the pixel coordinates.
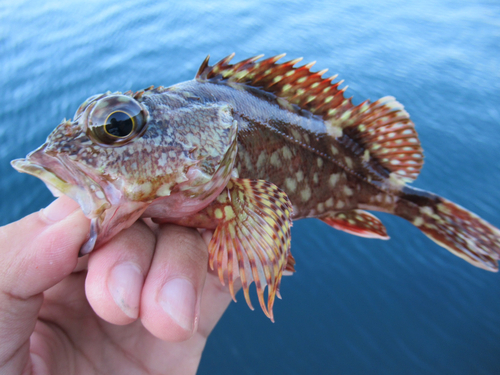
(36, 253)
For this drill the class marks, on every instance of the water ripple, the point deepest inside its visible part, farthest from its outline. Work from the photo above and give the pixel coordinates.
(355, 305)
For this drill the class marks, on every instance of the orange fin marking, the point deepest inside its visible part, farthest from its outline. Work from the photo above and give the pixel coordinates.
(306, 89)
(252, 238)
(357, 222)
(461, 232)
(382, 127)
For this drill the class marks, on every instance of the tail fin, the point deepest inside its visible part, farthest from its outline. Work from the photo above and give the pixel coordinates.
(452, 227)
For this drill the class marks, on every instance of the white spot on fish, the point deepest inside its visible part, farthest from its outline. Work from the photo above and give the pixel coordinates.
(163, 191)
(426, 210)
(299, 175)
(306, 194)
(261, 160)
(291, 184)
(366, 156)
(329, 202)
(146, 188)
(334, 130)
(348, 162)
(347, 190)
(275, 160)
(287, 153)
(418, 221)
(248, 161)
(163, 160)
(334, 178)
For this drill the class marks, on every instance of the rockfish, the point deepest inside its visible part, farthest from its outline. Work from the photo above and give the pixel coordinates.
(244, 149)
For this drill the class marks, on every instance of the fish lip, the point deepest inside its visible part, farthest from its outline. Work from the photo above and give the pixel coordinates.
(64, 178)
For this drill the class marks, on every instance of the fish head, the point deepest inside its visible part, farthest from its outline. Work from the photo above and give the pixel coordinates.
(125, 153)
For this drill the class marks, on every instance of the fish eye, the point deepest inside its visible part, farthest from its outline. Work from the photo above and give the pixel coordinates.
(115, 120)
(119, 124)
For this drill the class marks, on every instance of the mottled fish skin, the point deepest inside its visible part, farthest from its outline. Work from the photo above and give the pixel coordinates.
(175, 158)
(320, 174)
(243, 149)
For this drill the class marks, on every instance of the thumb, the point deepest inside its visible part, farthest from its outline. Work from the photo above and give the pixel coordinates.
(36, 253)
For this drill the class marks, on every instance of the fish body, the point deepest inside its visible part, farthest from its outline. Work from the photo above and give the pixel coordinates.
(244, 149)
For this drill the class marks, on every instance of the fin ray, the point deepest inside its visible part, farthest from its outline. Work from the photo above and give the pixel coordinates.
(463, 233)
(357, 222)
(252, 238)
(451, 226)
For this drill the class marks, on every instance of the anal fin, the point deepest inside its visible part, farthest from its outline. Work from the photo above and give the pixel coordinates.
(252, 238)
(357, 222)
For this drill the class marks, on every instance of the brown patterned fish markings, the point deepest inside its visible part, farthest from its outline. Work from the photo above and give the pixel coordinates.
(243, 149)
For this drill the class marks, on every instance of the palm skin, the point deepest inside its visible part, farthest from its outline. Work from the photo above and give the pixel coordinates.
(61, 315)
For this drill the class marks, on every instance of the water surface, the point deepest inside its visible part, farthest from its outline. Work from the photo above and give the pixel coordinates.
(355, 306)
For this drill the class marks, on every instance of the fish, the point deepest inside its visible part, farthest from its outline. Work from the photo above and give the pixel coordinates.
(245, 149)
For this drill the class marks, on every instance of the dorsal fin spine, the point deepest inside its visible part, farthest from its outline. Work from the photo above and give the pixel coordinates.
(310, 65)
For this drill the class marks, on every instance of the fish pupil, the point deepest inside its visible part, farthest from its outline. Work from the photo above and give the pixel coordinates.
(119, 124)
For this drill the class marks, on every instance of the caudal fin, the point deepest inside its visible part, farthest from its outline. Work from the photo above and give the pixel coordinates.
(453, 227)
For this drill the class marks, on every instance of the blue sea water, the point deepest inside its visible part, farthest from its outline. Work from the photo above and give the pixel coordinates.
(354, 306)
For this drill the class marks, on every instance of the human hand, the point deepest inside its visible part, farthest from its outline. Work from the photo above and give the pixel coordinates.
(146, 304)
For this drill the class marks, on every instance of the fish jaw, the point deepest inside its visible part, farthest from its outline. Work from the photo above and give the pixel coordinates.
(111, 222)
(63, 178)
(109, 210)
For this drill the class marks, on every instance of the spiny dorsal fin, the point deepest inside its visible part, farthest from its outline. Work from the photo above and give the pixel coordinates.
(299, 86)
(382, 127)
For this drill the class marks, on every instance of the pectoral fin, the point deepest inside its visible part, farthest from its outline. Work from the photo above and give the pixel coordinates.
(252, 238)
(358, 222)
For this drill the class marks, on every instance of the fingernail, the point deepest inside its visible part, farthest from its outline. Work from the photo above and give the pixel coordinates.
(125, 285)
(59, 209)
(178, 299)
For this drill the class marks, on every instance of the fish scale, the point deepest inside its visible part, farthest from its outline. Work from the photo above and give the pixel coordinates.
(244, 149)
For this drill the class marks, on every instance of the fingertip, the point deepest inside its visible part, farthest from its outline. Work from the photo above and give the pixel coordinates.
(170, 305)
(39, 252)
(178, 298)
(116, 272)
(171, 314)
(114, 292)
(125, 285)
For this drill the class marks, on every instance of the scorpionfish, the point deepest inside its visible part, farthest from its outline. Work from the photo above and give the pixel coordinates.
(244, 149)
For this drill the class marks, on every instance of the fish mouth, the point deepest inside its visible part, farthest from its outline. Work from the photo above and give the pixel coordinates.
(63, 177)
